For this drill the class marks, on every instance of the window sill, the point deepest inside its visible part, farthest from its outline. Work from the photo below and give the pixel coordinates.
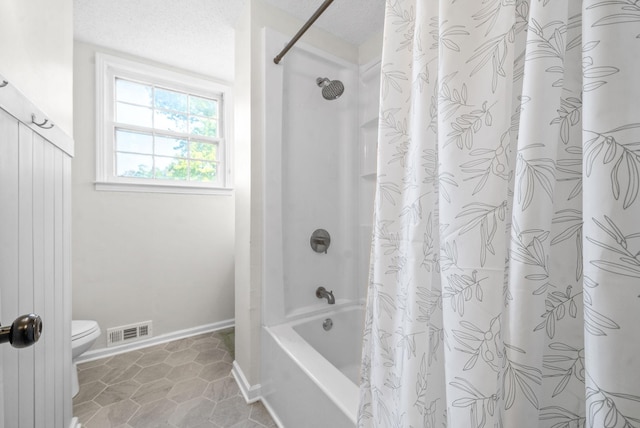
(161, 188)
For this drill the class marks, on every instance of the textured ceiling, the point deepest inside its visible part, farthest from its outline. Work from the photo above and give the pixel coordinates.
(352, 20)
(195, 35)
(198, 35)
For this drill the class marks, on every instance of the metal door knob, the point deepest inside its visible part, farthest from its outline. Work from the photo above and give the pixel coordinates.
(23, 332)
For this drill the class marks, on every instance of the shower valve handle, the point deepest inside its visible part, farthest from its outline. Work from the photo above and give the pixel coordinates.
(320, 241)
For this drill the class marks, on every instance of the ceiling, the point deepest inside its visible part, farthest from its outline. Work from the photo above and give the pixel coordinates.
(198, 35)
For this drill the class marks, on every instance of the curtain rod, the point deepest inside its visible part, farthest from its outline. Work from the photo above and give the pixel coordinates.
(302, 30)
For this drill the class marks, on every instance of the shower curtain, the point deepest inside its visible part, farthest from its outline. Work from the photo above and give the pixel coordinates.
(505, 269)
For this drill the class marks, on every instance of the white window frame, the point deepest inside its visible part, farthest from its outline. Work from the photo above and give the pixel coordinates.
(108, 68)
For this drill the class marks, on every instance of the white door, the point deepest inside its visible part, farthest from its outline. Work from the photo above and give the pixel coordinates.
(35, 389)
(8, 256)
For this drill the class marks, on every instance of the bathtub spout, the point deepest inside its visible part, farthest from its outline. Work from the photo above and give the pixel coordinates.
(322, 293)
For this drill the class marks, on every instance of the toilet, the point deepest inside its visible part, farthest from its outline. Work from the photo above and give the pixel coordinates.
(83, 334)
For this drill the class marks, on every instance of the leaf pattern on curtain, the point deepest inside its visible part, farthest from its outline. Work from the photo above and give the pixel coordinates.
(505, 263)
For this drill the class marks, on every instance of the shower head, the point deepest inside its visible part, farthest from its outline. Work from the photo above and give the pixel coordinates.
(331, 89)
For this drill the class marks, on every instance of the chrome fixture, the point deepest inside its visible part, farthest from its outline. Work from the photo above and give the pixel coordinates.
(320, 241)
(322, 293)
(23, 332)
(331, 89)
(327, 324)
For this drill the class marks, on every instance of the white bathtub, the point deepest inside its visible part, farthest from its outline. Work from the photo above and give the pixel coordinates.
(314, 374)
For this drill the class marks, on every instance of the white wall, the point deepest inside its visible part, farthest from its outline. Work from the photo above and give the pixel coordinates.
(36, 54)
(250, 105)
(316, 157)
(247, 297)
(144, 256)
(371, 50)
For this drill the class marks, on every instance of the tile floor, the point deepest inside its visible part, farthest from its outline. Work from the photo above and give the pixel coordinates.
(186, 383)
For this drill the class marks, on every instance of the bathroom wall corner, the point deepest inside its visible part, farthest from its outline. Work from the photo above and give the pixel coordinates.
(250, 393)
(247, 287)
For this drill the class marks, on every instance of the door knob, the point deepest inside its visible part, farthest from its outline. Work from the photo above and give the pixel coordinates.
(25, 331)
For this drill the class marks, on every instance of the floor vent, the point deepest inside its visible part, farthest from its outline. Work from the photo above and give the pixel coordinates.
(129, 333)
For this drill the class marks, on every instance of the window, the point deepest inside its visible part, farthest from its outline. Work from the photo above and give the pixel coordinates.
(160, 131)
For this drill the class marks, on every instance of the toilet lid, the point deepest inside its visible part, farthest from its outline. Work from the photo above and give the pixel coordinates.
(81, 328)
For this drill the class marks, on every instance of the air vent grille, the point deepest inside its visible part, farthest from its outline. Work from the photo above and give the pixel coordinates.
(129, 333)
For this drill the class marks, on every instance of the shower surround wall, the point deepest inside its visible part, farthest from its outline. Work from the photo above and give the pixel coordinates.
(317, 170)
(311, 183)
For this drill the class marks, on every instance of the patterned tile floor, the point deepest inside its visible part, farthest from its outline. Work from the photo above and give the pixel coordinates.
(186, 383)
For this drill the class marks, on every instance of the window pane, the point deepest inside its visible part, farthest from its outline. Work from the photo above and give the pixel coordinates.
(137, 142)
(132, 92)
(170, 100)
(201, 126)
(133, 115)
(128, 165)
(170, 121)
(167, 146)
(204, 151)
(203, 171)
(171, 168)
(203, 106)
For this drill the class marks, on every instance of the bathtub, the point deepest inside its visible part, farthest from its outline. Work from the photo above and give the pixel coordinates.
(314, 374)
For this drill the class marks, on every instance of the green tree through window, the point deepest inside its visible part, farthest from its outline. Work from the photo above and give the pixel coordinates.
(183, 142)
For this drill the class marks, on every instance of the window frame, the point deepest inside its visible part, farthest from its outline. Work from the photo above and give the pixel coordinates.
(108, 69)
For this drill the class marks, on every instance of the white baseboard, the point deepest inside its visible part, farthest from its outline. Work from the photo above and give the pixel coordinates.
(74, 423)
(180, 334)
(251, 393)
